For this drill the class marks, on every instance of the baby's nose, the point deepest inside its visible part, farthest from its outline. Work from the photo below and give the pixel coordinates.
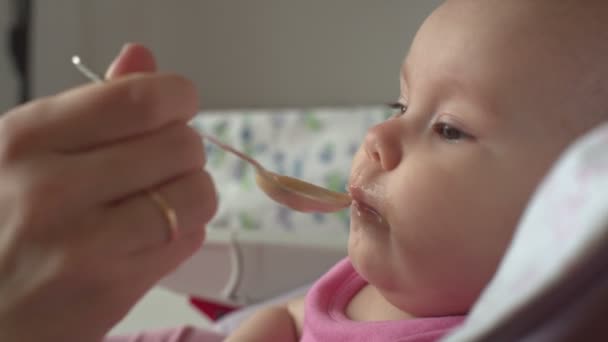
(383, 145)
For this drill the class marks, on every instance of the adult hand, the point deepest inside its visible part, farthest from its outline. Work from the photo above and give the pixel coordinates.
(80, 239)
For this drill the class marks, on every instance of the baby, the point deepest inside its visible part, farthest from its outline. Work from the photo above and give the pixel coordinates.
(492, 91)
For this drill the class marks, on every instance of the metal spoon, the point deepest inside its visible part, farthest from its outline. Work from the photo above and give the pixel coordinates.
(291, 192)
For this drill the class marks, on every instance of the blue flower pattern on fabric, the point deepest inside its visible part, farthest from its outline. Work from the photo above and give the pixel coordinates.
(246, 134)
(278, 158)
(284, 217)
(327, 154)
(239, 169)
(352, 149)
(298, 167)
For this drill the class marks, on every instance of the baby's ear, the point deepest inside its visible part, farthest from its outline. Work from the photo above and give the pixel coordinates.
(132, 58)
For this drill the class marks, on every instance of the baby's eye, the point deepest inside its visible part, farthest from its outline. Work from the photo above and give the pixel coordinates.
(449, 133)
(400, 107)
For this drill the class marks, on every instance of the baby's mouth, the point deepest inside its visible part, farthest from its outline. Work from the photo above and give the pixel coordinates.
(363, 209)
(364, 204)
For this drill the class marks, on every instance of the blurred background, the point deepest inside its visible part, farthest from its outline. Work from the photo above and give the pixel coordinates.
(241, 54)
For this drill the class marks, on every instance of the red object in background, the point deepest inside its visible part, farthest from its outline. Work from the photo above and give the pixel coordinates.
(212, 310)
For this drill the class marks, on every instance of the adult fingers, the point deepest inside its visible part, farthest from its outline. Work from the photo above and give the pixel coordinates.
(153, 264)
(65, 184)
(132, 58)
(139, 223)
(122, 169)
(98, 114)
(77, 280)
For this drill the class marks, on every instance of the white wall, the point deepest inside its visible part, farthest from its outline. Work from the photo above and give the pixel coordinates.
(263, 53)
(8, 82)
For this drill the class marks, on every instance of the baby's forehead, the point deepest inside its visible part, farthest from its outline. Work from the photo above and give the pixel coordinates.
(560, 41)
(568, 20)
(515, 56)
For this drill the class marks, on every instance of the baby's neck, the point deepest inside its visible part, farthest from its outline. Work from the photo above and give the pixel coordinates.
(369, 305)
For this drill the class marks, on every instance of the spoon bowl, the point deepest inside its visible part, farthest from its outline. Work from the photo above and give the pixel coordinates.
(291, 192)
(301, 196)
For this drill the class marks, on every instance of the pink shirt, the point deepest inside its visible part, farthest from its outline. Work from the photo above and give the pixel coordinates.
(325, 318)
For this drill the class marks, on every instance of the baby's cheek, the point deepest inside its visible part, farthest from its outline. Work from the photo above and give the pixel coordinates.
(430, 217)
(371, 256)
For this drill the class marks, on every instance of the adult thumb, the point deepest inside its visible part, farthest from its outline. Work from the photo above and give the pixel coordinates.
(132, 58)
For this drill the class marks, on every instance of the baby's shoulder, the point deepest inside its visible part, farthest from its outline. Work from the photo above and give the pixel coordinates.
(295, 307)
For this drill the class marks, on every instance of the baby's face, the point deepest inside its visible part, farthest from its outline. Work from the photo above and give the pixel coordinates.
(450, 174)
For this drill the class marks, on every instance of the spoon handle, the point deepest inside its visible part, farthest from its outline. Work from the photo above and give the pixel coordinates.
(232, 150)
(96, 78)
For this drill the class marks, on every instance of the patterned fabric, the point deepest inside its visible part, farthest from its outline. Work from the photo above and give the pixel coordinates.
(563, 229)
(316, 145)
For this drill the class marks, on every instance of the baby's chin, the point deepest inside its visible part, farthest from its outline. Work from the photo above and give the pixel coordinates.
(370, 263)
(406, 293)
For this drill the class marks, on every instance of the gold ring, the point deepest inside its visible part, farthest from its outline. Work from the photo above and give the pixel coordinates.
(167, 211)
